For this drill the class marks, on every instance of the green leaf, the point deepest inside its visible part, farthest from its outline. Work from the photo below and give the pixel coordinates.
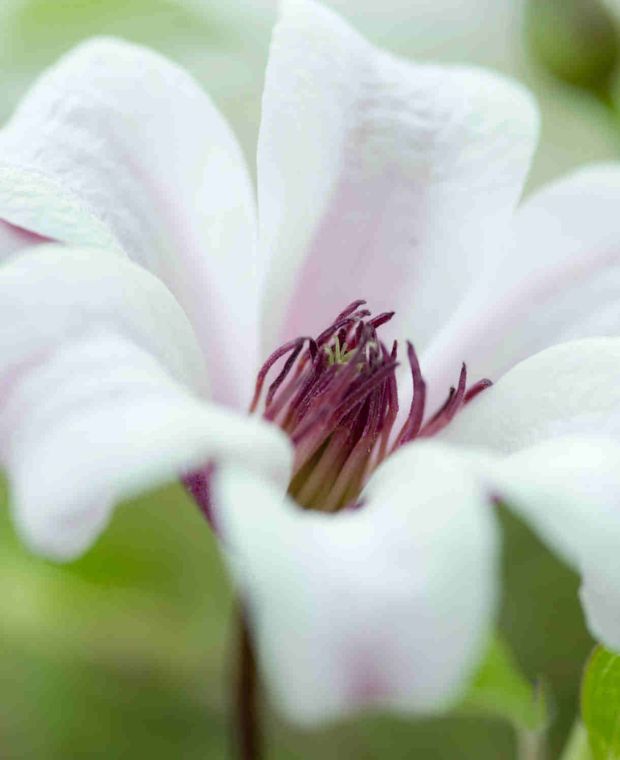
(600, 703)
(501, 689)
(578, 744)
(221, 43)
(575, 40)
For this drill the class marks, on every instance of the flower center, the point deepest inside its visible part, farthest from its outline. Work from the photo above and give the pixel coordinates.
(337, 399)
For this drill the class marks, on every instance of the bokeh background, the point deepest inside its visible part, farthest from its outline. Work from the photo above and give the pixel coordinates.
(125, 653)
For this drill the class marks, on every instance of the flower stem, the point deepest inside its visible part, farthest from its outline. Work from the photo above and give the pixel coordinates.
(531, 745)
(247, 736)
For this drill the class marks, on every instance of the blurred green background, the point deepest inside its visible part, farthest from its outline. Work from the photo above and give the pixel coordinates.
(125, 653)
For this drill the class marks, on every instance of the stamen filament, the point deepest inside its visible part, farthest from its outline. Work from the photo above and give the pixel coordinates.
(413, 422)
(336, 397)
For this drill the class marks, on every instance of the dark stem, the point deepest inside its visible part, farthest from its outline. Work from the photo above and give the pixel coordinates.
(247, 735)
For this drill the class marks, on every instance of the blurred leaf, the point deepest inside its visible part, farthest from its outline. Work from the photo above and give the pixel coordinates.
(575, 40)
(75, 705)
(501, 689)
(121, 653)
(36, 28)
(578, 745)
(217, 41)
(543, 623)
(600, 703)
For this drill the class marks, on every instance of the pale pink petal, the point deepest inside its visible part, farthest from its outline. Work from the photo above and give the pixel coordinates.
(560, 281)
(14, 239)
(100, 395)
(571, 388)
(388, 605)
(117, 147)
(379, 178)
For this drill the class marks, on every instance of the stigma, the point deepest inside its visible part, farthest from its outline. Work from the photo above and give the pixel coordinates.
(336, 397)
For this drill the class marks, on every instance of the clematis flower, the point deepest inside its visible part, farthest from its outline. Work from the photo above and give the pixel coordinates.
(144, 305)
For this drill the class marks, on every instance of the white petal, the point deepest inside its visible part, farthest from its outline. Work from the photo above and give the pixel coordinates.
(568, 389)
(568, 238)
(98, 396)
(569, 491)
(117, 147)
(379, 178)
(560, 281)
(51, 293)
(388, 605)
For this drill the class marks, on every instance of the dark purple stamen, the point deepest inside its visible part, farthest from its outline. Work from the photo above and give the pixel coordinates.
(363, 391)
(337, 398)
(343, 324)
(198, 484)
(287, 368)
(449, 409)
(273, 358)
(381, 319)
(476, 389)
(350, 309)
(413, 422)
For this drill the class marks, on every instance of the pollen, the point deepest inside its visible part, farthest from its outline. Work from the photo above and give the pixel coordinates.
(337, 354)
(336, 397)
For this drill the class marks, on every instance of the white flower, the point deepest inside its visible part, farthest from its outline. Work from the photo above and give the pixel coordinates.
(378, 178)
